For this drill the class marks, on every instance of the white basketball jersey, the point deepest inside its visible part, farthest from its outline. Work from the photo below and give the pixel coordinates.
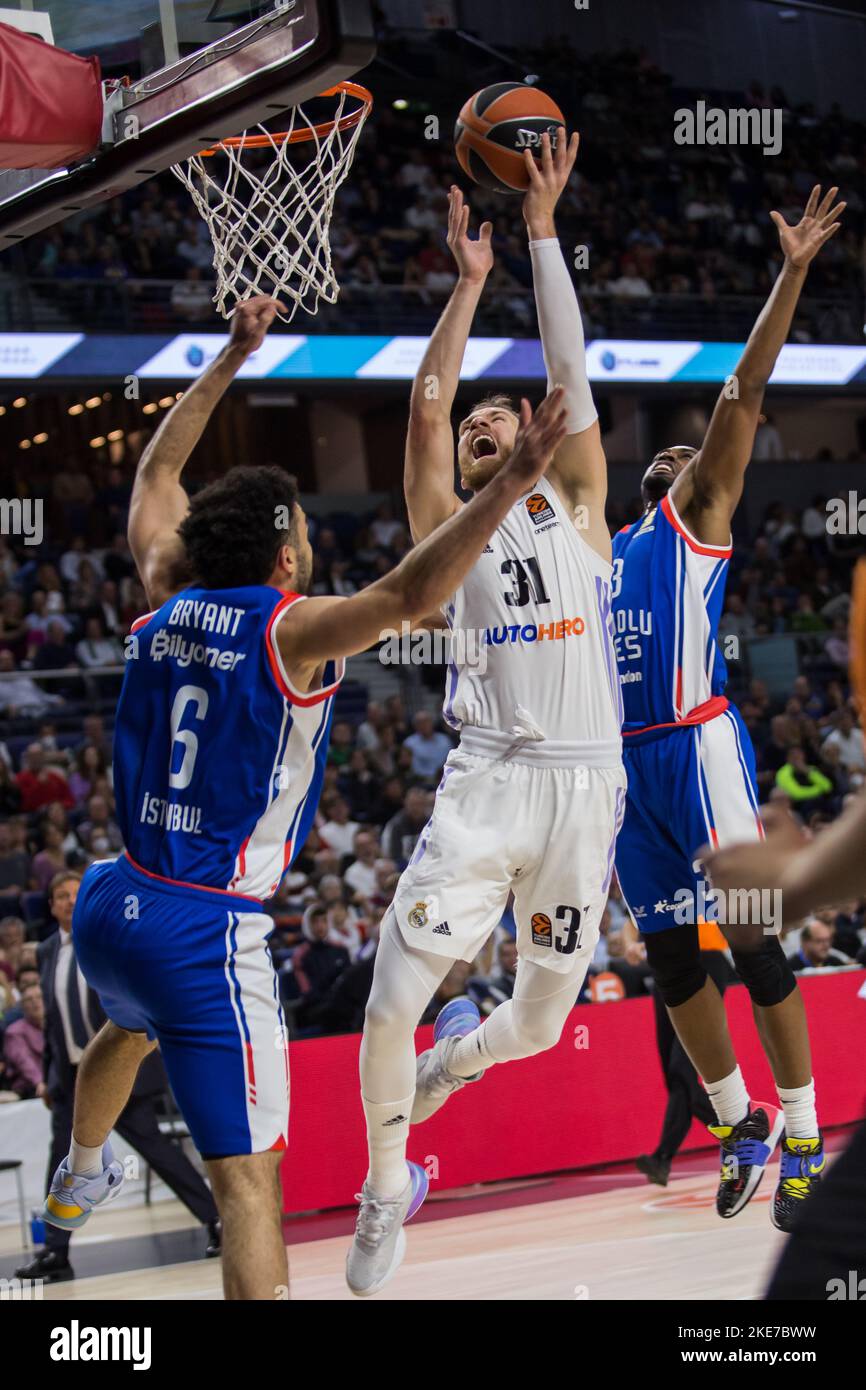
(532, 632)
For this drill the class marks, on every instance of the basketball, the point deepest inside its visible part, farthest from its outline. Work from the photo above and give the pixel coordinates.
(494, 128)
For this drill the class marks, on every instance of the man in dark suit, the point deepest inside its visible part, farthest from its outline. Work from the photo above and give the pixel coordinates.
(73, 1015)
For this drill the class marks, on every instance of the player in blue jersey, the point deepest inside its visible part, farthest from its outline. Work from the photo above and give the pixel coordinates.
(689, 760)
(220, 741)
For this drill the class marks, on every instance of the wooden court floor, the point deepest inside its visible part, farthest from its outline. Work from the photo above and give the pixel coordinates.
(626, 1242)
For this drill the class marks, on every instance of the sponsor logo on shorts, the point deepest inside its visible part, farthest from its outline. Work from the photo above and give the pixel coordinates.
(539, 509)
(442, 929)
(417, 916)
(542, 934)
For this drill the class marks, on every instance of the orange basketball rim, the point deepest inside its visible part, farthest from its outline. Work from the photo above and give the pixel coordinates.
(302, 133)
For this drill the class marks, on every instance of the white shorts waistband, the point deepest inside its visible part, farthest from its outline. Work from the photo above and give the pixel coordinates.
(547, 752)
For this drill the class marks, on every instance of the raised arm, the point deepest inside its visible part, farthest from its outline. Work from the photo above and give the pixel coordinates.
(579, 469)
(159, 502)
(429, 473)
(320, 629)
(707, 491)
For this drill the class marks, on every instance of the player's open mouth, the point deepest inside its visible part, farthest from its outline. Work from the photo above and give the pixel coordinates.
(483, 446)
(663, 467)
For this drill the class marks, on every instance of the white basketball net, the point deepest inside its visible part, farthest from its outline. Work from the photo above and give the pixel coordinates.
(268, 217)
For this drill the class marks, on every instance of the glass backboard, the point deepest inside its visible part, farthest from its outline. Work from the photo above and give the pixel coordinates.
(197, 70)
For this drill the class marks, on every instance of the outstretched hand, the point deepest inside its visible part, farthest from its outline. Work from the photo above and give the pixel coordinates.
(474, 258)
(756, 863)
(251, 320)
(817, 225)
(547, 181)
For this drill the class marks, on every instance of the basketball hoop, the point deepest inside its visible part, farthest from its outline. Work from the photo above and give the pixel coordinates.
(270, 224)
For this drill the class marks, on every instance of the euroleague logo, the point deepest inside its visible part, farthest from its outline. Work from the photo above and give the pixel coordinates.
(539, 508)
(542, 934)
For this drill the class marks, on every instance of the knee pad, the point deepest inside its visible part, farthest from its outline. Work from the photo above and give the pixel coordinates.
(675, 961)
(766, 972)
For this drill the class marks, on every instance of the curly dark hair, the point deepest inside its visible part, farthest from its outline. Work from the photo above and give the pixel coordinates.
(231, 533)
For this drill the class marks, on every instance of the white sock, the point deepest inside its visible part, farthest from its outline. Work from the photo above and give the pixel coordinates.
(801, 1117)
(729, 1098)
(470, 1055)
(85, 1162)
(387, 1134)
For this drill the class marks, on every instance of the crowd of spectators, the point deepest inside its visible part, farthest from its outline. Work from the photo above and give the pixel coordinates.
(657, 217)
(68, 608)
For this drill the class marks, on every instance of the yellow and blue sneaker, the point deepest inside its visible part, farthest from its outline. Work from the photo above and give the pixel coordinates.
(746, 1151)
(799, 1175)
(71, 1198)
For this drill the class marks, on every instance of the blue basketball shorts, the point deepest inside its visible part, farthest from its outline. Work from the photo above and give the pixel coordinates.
(687, 787)
(191, 968)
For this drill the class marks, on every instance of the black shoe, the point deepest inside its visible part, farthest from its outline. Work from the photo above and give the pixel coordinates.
(654, 1168)
(746, 1149)
(799, 1176)
(49, 1265)
(215, 1239)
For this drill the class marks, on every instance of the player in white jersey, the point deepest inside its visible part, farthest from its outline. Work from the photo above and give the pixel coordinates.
(531, 800)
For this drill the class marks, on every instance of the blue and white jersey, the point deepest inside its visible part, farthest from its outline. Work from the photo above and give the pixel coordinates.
(218, 760)
(668, 593)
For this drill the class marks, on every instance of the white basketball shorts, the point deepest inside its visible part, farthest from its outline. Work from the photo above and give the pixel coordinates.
(526, 824)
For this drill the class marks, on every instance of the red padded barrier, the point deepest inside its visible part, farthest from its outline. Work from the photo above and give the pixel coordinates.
(597, 1097)
(50, 103)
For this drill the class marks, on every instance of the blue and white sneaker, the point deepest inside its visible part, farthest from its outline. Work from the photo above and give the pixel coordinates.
(746, 1149)
(380, 1240)
(72, 1198)
(434, 1083)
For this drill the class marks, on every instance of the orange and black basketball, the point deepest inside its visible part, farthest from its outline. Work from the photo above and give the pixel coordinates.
(496, 126)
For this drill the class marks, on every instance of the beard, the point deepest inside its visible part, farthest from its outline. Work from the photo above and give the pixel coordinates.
(304, 574)
(654, 487)
(476, 473)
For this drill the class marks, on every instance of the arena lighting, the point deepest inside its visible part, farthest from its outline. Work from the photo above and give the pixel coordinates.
(400, 104)
(25, 444)
(150, 408)
(93, 402)
(166, 402)
(98, 442)
(76, 409)
(40, 438)
(177, 395)
(114, 434)
(2, 410)
(19, 401)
